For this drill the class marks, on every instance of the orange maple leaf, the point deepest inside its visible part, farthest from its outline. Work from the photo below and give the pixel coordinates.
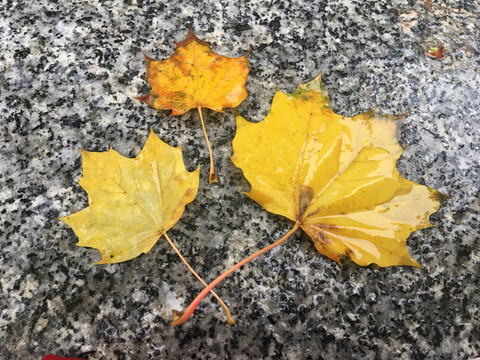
(195, 77)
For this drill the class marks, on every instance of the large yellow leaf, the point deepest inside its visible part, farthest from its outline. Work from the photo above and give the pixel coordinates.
(194, 76)
(132, 202)
(334, 176)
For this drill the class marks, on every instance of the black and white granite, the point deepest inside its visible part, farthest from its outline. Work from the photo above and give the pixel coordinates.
(68, 72)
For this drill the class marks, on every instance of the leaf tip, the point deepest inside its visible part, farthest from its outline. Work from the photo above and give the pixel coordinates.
(148, 58)
(152, 133)
(411, 262)
(197, 170)
(191, 36)
(107, 258)
(176, 111)
(418, 266)
(441, 197)
(318, 79)
(147, 99)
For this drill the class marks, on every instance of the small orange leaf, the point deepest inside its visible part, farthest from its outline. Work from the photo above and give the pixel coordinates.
(194, 76)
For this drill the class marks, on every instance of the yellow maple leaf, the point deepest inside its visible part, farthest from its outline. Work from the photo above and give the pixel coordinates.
(195, 77)
(334, 176)
(133, 202)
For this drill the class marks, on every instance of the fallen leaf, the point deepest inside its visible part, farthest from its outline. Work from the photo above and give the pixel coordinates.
(333, 176)
(134, 202)
(195, 77)
(436, 52)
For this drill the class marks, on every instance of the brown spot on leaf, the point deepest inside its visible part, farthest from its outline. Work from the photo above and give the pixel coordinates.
(321, 238)
(190, 192)
(438, 196)
(304, 199)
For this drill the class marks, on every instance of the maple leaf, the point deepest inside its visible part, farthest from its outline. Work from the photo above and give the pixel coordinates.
(133, 202)
(195, 77)
(334, 176)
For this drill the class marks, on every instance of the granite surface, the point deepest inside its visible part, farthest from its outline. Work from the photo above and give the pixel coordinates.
(68, 73)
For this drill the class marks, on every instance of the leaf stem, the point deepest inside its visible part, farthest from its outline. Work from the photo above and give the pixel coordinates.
(180, 317)
(213, 177)
(229, 316)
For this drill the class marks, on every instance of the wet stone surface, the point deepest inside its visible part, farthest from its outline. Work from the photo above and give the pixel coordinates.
(68, 73)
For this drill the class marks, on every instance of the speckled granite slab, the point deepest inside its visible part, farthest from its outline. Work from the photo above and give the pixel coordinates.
(68, 72)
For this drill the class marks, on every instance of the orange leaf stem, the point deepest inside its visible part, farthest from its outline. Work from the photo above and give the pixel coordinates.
(230, 320)
(180, 317)
(213, 177)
